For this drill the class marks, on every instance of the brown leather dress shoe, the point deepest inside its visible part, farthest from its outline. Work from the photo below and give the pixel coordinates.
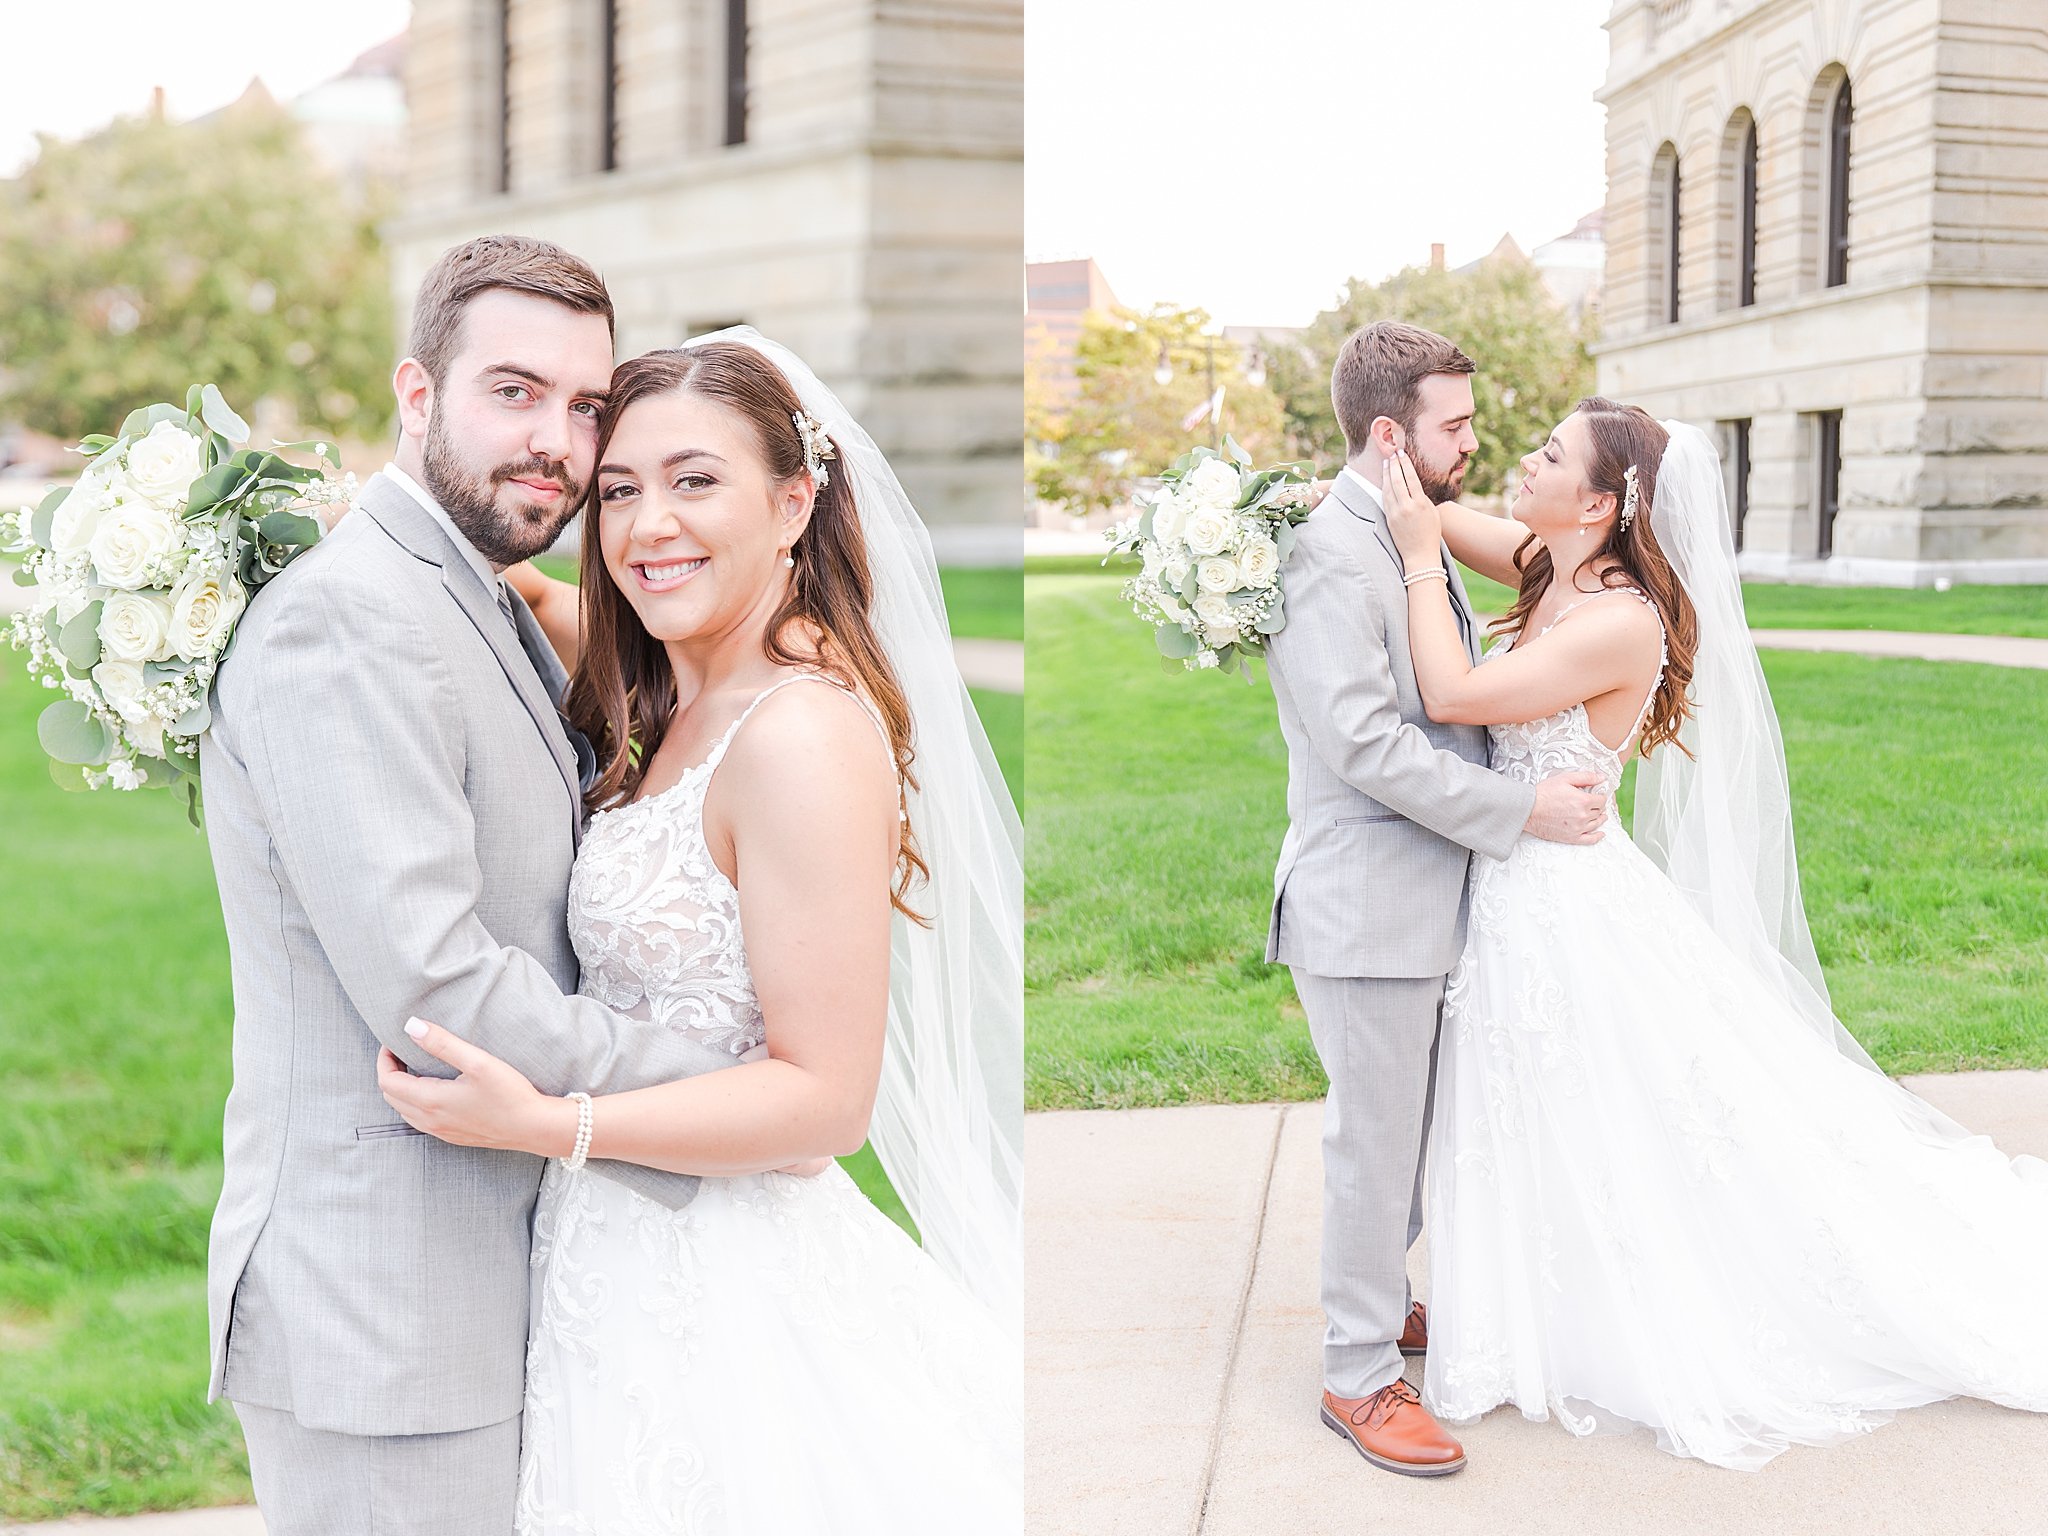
(1392, 1429)
(1415, 1337)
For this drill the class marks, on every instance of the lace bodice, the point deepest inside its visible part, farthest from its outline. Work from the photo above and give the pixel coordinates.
(655, 923)
(1533, 750)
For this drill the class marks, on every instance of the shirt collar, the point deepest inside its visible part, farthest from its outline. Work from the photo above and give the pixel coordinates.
(1365, 485)
(419, 493)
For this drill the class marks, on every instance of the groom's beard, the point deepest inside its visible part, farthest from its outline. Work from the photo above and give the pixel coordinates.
(1438, 485)
(470, 499)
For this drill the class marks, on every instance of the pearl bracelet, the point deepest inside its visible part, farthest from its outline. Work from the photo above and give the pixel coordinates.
(585, 1116)
(1436, 573)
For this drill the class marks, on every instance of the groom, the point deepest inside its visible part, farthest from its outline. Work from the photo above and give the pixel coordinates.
(1385, 808)
(393, 805)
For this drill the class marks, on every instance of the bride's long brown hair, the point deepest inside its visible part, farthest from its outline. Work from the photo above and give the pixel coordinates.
(623, 693)
(1620, 436)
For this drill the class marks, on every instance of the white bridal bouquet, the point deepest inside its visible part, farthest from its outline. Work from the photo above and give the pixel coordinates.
(139, 573)
(1212, 542)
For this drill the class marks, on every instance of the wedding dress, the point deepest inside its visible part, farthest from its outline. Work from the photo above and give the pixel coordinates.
(1659, 1198)
(777, 1358)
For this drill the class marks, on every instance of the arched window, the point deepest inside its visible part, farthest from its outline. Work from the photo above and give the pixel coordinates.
(1664, 233)
(608, 88)
(1837, 237)
(1735, 215)
(1745, 216)
(735, 71)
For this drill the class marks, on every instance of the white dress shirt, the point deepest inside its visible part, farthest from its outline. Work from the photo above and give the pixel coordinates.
(485, 571)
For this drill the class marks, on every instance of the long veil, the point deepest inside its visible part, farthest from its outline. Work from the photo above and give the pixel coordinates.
(949, 1116)
(1719, 822)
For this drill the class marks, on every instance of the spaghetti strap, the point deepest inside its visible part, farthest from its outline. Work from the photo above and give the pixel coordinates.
(1663, 656)
(718, 751)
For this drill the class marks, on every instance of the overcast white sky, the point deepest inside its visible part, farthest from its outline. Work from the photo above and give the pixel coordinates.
(75, 66)
(1352, 132)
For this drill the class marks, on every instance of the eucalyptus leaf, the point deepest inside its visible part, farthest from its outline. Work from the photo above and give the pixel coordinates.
(193, 397)
(24, 577)
(320, 447)
(1232, 451)
(193, 721)
(215, 487)
(1175, 642)
(220, 417)
(70, 733)
(155, 774)
(155, 672)
(290, 528)
(79, 640)
(144, 418)
(1273, 622)
(45, 515)
(1226, 659)
(192, 802)
(96, 442)
(68, 777)
(1283, 539)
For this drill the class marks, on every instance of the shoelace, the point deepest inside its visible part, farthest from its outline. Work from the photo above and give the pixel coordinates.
(1383, 1404)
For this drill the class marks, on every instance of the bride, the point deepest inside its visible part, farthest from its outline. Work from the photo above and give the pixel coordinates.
(801, 857)
(1667, 1189)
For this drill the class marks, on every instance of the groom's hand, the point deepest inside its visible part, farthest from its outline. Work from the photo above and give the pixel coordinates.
(1570, 808)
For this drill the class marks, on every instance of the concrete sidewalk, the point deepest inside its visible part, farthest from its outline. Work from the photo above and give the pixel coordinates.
(1173, 1369)
(231, 1521)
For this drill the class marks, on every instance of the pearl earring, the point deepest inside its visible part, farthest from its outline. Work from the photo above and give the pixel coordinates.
(789, 562)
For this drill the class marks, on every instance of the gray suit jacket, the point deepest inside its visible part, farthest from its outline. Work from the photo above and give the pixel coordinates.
(393, 809)
(1383, 803)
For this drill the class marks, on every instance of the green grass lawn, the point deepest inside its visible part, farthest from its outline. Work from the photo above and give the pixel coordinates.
(1958, 611)
(1156, 806)
(114, 1025)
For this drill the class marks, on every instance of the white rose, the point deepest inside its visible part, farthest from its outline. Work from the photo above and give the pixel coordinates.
(72, 597)
(1259, 560)
(1214, 610)
(1169, 517)
(1216, 574)
(1155, 561)
(148, 736)
(132, 541)
(1209, 531)
(1213, 483)
(120, 684)
(204, 610)
(78, 515)
(164, 464)
(1173, 609)
(1175, 571)
(134, 626)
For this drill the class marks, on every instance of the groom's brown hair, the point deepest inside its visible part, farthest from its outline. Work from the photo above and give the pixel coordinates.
(1379, 372)
(496, 261)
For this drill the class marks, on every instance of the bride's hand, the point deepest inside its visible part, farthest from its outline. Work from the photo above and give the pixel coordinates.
(1412, 518)
(490, 1105)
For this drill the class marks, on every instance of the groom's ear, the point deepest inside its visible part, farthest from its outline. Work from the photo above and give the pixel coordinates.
(414, 387)
(1384, 434)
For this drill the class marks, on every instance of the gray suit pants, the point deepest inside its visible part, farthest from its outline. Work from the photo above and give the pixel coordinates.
(314, 1482)
(1377, 1038)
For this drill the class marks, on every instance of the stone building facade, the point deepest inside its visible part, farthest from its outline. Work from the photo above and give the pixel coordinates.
(845, 175)
(1827, 239)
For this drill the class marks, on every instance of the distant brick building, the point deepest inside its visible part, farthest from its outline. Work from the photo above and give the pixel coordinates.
(1827, 226)
(848, 178)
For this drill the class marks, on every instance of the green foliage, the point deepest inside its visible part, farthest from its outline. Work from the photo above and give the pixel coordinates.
(1156, 809)
(1533, 365)
(1123, 425)
(151, 253)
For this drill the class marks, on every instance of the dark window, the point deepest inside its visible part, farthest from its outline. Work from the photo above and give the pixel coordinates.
(1738, 451)
(735, 71)
(1671, 249)
(1838, 190)
(1829, 465)
(609, 156)
(1745, 234)
(502, 172)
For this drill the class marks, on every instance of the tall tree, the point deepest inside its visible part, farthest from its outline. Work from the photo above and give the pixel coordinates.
(1533, 363)
(154, 255)
(1123, 425)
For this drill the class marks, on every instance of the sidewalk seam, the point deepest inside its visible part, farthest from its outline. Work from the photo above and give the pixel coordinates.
(1244, 1301)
